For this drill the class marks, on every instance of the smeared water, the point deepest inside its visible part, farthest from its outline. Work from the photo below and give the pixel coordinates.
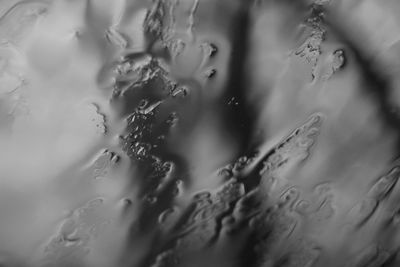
(199, 133)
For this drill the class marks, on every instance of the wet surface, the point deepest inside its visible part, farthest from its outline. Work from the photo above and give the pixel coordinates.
(199, 133)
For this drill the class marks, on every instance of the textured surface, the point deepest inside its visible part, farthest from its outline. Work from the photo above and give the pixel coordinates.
(139, 133)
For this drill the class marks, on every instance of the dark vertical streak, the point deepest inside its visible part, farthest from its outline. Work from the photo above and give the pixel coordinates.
(241, 124)
(243, 115)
